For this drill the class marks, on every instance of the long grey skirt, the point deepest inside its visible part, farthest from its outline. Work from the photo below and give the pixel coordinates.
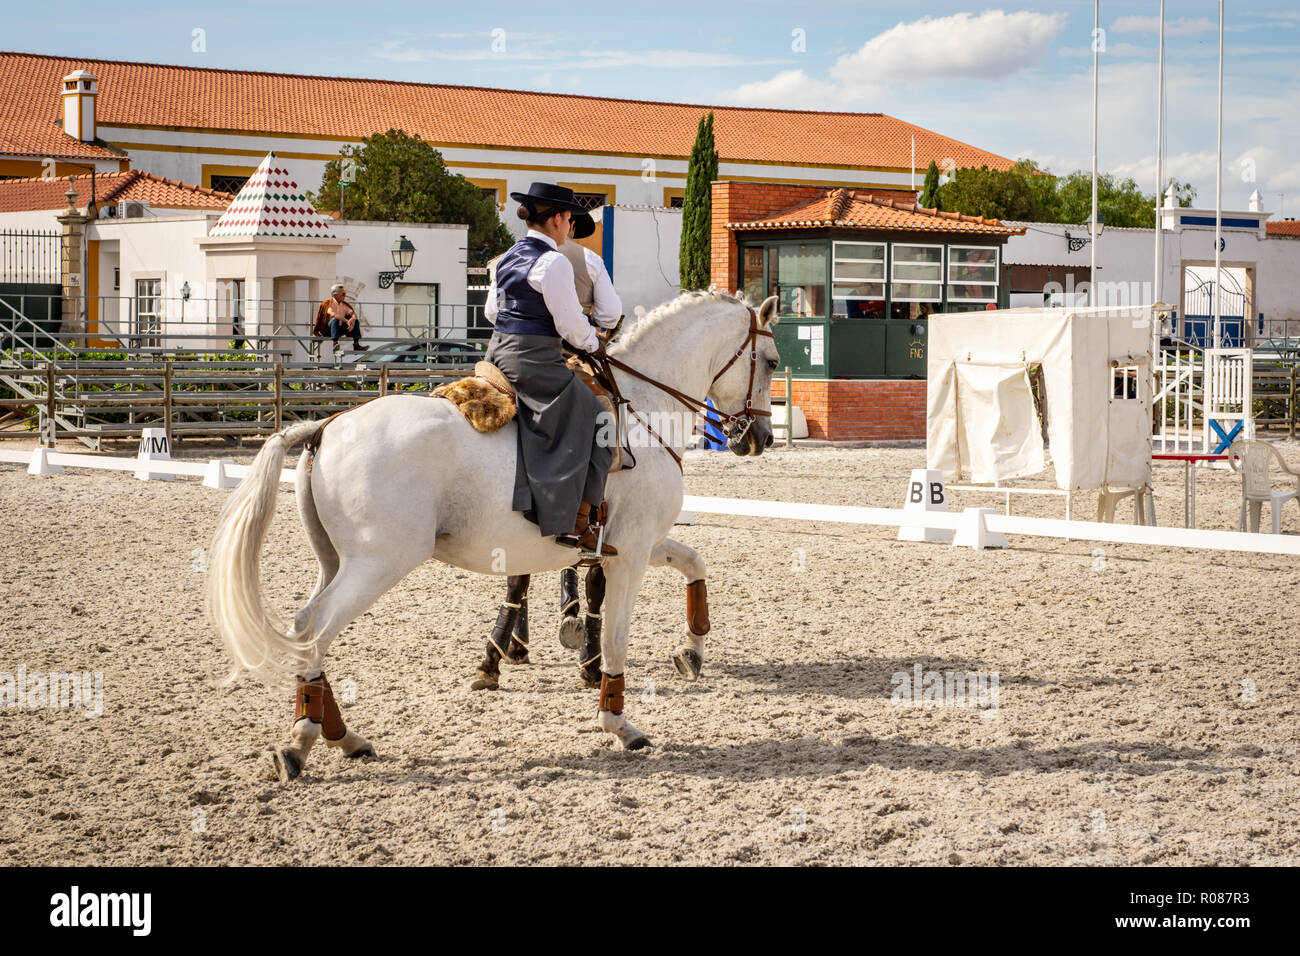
(559, 462)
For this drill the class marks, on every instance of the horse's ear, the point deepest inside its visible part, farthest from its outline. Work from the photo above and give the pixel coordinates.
(767, 312)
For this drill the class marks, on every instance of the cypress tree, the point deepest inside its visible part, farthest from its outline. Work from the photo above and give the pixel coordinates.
(929, 198)
(697, 210)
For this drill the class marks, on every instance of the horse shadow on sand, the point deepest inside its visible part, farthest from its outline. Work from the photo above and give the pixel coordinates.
(856, 677)
(814, 757)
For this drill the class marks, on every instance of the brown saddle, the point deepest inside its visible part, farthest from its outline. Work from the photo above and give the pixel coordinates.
(487, 399)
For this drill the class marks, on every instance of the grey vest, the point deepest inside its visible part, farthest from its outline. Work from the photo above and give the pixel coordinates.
(586, 289)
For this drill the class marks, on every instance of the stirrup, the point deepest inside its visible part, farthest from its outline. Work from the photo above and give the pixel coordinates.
(589, 556)
(598, 553)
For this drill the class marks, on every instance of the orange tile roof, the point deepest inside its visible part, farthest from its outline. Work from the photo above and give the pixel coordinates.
(1283, 227)
(155, 95)
(23, 195)
(856, 209)
(31, 125)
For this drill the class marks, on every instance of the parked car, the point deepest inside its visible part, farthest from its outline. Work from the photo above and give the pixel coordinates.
(418, 352)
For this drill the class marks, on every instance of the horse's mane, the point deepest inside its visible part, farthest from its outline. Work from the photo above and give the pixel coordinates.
(670, 308)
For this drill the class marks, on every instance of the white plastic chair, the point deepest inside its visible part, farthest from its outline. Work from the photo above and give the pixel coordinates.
(1253, 460)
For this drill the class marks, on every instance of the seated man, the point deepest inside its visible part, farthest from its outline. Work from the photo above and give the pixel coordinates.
(339, 317)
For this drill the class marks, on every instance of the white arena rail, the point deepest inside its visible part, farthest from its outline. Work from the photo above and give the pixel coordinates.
(1000, 524)
(984, 518)
(194, 469)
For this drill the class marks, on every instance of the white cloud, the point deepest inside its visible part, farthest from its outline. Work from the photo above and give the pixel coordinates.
(789, 89)
(990, 44)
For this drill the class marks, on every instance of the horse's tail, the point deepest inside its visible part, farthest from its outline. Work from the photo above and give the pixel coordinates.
(256, 642)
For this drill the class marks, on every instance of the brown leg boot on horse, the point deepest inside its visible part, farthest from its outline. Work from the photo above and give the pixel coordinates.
(588, 532)
(316, 714)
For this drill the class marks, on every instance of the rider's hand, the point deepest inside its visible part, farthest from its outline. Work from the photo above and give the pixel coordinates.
(599, 350)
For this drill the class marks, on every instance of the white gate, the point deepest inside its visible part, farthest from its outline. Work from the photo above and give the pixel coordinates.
(1228, 395)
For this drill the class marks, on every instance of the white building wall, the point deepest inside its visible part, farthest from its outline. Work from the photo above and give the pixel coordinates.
(439, 258)
(167, 249)
(646, 243)
(43, 220)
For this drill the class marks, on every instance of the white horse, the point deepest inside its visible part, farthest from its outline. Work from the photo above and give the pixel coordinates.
(405, 478)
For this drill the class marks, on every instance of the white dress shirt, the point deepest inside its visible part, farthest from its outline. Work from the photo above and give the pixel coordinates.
(552, 276)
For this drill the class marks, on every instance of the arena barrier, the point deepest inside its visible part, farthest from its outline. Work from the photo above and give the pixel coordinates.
(973, 527)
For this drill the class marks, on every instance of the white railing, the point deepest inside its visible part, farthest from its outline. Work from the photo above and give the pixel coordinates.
(1179, 424)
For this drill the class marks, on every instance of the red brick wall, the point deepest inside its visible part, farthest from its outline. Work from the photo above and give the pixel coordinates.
(860, 409)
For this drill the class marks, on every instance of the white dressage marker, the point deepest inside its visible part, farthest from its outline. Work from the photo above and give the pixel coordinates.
(217, 475)
(925, 492)
(973, 532)
(41, 465)
(154, 446)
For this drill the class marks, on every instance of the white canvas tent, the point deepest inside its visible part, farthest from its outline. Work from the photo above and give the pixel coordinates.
(981, 417)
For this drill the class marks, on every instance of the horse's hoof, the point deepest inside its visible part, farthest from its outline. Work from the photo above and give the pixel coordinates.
(483, 681)
(638, 743)
(286, 766)
(590, 678)
(571, 633)
(366, 751)
(688, 663)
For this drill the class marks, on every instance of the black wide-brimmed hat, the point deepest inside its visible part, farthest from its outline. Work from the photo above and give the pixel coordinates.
(549, 195)
(583, 225)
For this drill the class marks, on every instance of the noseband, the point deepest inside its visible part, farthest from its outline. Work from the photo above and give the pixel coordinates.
(736, 426)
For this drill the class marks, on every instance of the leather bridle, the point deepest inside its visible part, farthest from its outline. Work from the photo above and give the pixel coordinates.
(735, 426)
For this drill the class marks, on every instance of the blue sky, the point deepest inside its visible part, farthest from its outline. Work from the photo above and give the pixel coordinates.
(1014, 78)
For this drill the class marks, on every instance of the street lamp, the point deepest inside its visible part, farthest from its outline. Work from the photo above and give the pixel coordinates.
(1078, 242)
(403, 253)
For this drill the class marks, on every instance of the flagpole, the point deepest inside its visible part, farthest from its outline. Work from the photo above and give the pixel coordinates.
(1218, 204)
(1160, 186)
(1092, 269)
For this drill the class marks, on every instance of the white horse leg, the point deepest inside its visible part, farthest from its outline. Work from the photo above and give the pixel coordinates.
(326, 555)
(357, 585)
(689, 658)
(623, 576)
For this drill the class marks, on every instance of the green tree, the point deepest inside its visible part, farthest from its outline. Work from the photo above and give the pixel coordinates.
(929, 198)
(401, 178)
(697, 210)
(1027, 192)
(1023, 192)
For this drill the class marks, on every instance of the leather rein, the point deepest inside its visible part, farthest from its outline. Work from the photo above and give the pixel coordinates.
(744, 420)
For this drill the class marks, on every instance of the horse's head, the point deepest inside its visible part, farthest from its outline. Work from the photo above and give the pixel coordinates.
(745, 386)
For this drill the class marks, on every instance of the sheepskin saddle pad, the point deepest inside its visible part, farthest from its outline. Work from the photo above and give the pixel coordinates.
(486, 398)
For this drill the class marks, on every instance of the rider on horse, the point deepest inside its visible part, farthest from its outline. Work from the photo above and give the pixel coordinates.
(560, 466)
